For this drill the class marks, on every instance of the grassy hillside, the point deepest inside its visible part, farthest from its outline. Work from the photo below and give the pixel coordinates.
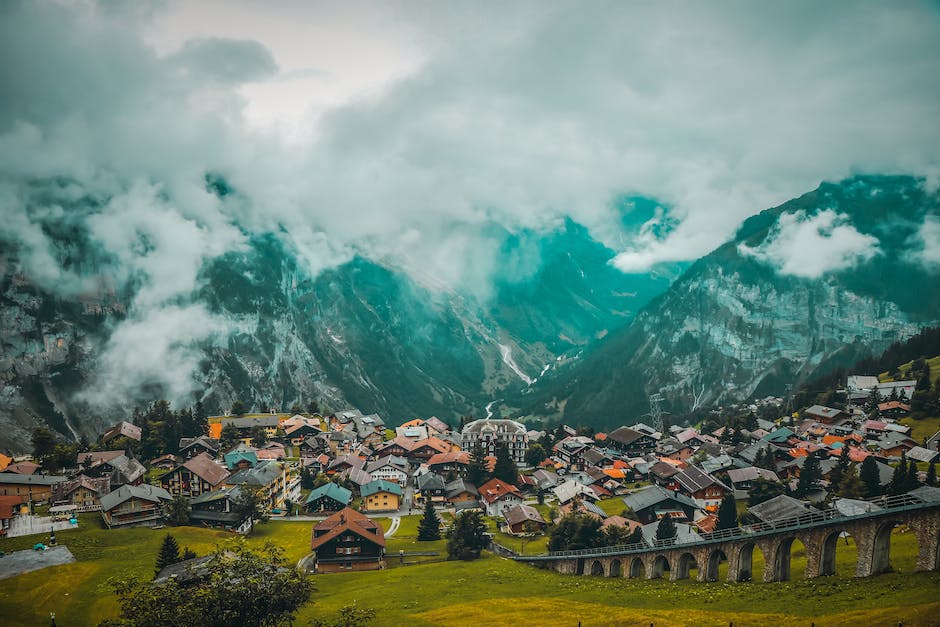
(905, 369)
(490, 591)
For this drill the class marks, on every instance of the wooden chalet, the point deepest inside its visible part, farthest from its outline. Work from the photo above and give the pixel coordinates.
(348, 540)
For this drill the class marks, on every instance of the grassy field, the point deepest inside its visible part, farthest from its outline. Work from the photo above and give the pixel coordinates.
(490, 591)
(923, 428)
(933, 362)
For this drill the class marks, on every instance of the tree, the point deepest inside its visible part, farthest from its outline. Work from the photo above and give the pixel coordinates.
(898, 477)
(238, 408)
(727, 513)
(870, 476)
(188, 554)
(259, 437)
(810, 474)
(476, 468)
(932, 475)
(666, 530)
(911, 482)
(313, 407)
(923, 382)
(576, 531)
(295, 409)
(467, 536)
(835, 477)
(430, 526)
(306, 478)
(43, 441)
(763, 490)
(229, 436)
(239, 586)
(851, 485)
(289, 507)
(169, 553)
(535, 455)
(349, 616)
(177, 510)
(636, 536)
(250, 505)
(505, 468)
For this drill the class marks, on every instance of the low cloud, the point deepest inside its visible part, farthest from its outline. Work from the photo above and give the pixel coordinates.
(810, 246)
(929, 239)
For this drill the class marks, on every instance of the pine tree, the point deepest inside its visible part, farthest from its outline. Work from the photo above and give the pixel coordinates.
(476, 469)
(851, 485)
(835, 477)
(666, 530)
(810, 474)
(188, 554)
(169, 554)
(911, 482)
(870, 476)
(430, 526)
(899, 477)
(931, 475)
(727, 513)
(923, 382)
(505, 468)
(467, 537)
(229, 436)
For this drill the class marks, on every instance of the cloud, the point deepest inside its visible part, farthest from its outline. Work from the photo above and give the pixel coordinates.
(929, 239)
(810, 246)
(226, 60)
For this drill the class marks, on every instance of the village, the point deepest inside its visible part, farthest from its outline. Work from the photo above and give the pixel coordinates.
(340, 469)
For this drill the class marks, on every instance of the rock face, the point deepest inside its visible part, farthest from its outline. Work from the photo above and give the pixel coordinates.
(737, 325)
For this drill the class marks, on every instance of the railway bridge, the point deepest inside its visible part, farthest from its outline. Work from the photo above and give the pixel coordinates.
(818, 530)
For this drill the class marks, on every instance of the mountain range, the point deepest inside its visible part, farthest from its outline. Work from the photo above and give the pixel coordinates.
(560, 333)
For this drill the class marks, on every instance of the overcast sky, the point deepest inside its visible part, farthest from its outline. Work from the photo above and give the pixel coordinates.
(405, 130)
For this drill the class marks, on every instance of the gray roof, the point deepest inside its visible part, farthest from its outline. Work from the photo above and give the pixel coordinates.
(778, 508)
(853, 507)
(429, 481)
(693, 480)
(249, 423)
(261, 475)
(216, 495)
(653, 495)
(457, 486)
(921, 454)
(737, 475)
(186, 571)
(126, 492)
(684, 533)
(927, 493)
(18, 479)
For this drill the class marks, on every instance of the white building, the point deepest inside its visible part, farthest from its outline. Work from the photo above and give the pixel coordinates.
(491, 431)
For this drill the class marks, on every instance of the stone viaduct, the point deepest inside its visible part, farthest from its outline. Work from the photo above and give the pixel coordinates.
(819, 531)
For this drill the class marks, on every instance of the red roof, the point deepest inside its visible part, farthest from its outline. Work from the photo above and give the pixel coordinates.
(453, 457)
(495, 489)
(346, 519)
(23, 468)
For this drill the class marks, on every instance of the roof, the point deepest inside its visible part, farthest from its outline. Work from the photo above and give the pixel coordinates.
(5, 461)
(495, 489)
(570, 489)
(499, 425)
(97, 457)
(185, 571)
(663, 470)
(654, 495)
(217, 495)
(204, 441)
(233, 458)
(380, 485)
(684, 533)
(625, 435)
(737, 475)
(144, 492)
(778, 508)
(204, 467)
(250, 423)
(693, 480)
(336, 492)
(12, 478)
(347, 519)
(394, 461)
(99, 486)
(429, 481)
(921, 454)
(459, 486)
(823, 411)
(521, 513)
(261, 475)
(451, 457)
(122, 428)
(22, 468)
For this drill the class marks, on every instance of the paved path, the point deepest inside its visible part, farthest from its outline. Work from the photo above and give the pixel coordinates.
(21, 562)
(392, 528)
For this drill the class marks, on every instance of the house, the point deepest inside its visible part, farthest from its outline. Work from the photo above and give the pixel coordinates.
(195, 476)
(122, 429)
(825, 415)
(134, 505)
(436, 426)
(424, 450)
(298, 429)
(390, 468)
(245, 426)
(893, 409)
(459, 492)
(650, 504)
(450, 462)
(781, 507)
(523, 518)
(491, 432)
(329, 497)
(705, 489)
(632, 442)
(924, 455)
(684, 534)
(240, 459)
(412, 431)
(83, 492)
(498, 495)
(190, 447)
(10, 508)
(742, 479)
(218, 509)
(125, 471)
(164, 462)
(429, 485)
(271, 451)
(571, 489)
(22, 468)
(36, 488)
(268, 477)
(314, 446)
(664, 474)
(96, 463)
(381, 496)
(348, 540)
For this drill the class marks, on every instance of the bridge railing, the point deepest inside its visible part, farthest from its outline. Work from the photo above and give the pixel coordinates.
(811, 517)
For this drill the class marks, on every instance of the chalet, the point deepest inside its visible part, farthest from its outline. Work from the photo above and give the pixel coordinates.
(164, 462)
(436, 426)
(195, 476)
(355, 477)
(523, 518)
(390, 468)
(36, 488)
(569, 450)
(218, 509)
(240, 460)
(348, 540)
(96, 463)
(341, 464)
(130, 506)
(429, 485)
(572, 489)
(381, 496)
(83, 492)
(298, 429)
(631, 442)
(271, 451)
(459, 492)
(314, 446)
(412, 431)
(399, 446)
(923, 455)
(122, 429)
(664, 474)
(190, 447)
(10, 508)
(893, 409)
(825, 415)
(125, 471)
(424, 450)
(329, 497)
(245, 426)
(497, 495)
(741, 479)
(317, 464)
(268, 477)
(650, 504)
(673, 449)
(450, 462)
(546, 479)
(684, 534)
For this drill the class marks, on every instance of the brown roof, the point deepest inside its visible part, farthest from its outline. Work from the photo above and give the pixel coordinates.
(22, 468)
(100, 486)
(437, 444)
(346, 519)
(205, 468)
(459, 457)
(520, 513)
(98, 457)
(495, 489)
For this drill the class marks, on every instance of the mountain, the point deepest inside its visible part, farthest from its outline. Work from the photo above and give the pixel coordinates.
(814, 284)
(364, 333)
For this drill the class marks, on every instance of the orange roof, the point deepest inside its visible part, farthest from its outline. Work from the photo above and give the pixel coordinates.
(417, 422)
(855, 454)
(459, 457)
(673, 462)
(4, 461)
(798, 452)
(614, 473)
(547, 463)
(619, 463)
(495, 489)
(215, 431)
(600, 437)
(832, 439)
